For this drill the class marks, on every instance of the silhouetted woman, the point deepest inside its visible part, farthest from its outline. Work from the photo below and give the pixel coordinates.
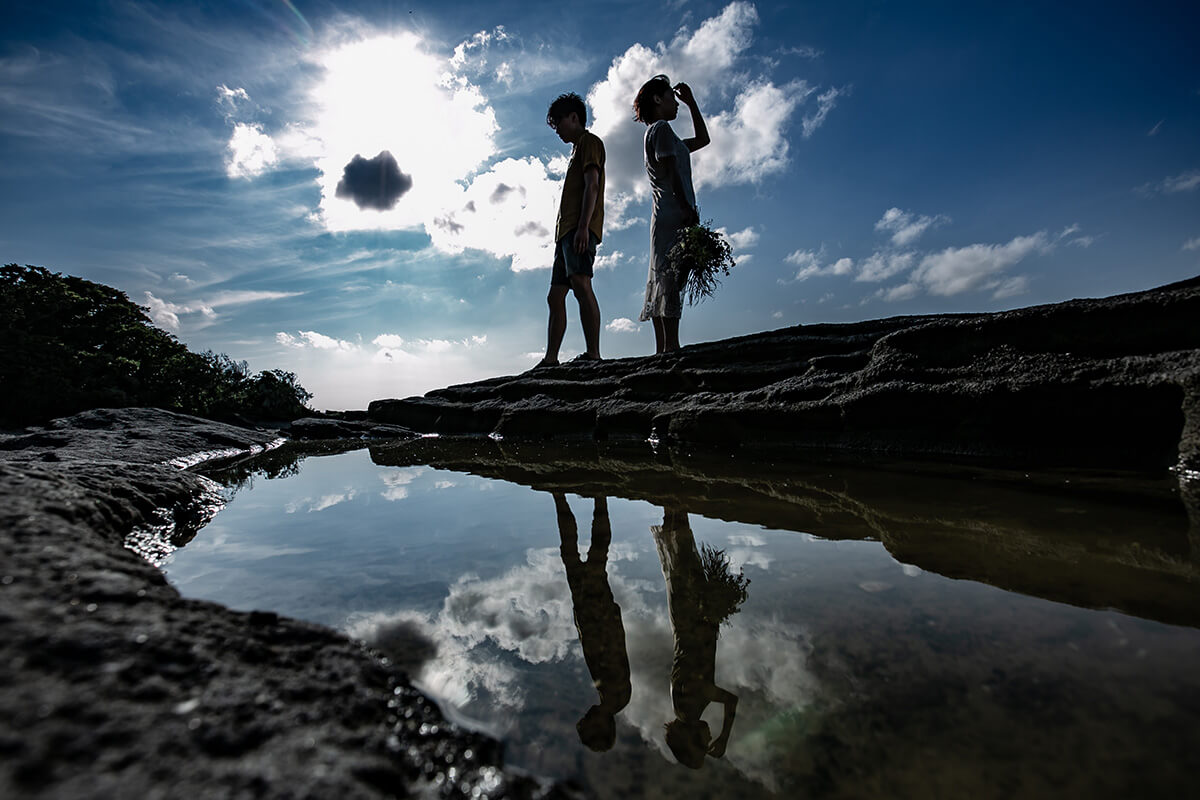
(598, 620)
(700, 595)
(669, 167)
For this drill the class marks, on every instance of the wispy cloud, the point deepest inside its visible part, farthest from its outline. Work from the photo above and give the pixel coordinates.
(905, 226)
(166, 313)
(1192, 244)
(1183, 182)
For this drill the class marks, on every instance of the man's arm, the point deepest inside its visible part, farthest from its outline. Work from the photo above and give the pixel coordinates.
(591, 191)
(701, 138)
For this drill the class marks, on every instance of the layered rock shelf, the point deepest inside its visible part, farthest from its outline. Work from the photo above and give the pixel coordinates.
(113, 685)
(1112, 382)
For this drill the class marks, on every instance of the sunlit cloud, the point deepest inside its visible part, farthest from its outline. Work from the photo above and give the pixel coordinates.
(251, 152)
(748, 138)
(622, 325)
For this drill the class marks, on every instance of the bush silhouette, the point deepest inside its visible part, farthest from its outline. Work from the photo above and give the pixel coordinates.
(68, 345)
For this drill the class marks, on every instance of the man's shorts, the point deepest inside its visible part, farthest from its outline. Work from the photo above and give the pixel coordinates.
(567, 262)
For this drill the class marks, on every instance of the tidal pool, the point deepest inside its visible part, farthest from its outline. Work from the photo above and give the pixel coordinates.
(905, 631)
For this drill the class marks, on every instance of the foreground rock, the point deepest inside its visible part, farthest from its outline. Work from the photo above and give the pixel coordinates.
(1113, 382)
(112, 685)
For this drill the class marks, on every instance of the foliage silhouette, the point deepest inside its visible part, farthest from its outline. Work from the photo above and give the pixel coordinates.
(68, 345)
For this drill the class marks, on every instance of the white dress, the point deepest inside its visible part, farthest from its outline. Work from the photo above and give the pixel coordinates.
(664, 298)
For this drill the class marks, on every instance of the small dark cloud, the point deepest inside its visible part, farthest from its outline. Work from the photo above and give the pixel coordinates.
(470, 206)
(447, 223)
(531, 228)
(373, 183)
(502, 191)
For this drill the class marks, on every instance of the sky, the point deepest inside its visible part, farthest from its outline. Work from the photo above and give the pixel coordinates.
(868, 159)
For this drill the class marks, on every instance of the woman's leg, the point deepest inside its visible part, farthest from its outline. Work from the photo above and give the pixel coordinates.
(659, 335)
(670, 334)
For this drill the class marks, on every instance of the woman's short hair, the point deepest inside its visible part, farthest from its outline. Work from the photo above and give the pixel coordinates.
(564, 104)
(658, 85)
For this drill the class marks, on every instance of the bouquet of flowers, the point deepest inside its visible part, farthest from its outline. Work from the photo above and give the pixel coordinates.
(699, 257)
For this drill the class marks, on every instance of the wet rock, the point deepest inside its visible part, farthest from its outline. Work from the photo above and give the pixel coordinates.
(331, 428)
(1109, 382)
(112, 685)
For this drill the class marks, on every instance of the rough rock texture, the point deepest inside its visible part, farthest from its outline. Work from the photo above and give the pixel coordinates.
(1007, 528)
(112, 685)
(1108, 382)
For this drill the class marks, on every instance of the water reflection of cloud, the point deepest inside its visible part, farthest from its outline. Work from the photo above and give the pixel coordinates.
(740, 557)
(747, 540)
(320, 503)
(396, 481)
(527, 613)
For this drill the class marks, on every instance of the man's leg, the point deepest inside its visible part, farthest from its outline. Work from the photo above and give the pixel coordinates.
(589, 313)
(660, 336)
(557, 300)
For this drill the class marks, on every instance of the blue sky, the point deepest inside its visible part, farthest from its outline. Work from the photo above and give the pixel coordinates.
(869, 159)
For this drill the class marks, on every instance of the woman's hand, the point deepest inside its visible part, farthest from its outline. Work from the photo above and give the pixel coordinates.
(684, 93)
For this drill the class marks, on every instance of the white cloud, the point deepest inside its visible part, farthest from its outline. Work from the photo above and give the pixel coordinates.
(346, 373)
(905, 226)
(960, 269)
(808, 262)
(389, 93)
(166, 314)
(1018, 284)
(508, 211)
(825, 103)
(883, 265)
(1157, 127)
(748, 139)
(1183, 182)
(251, 152)
(609, 260)
(622, 325)
(741, 240)
(1192, 244)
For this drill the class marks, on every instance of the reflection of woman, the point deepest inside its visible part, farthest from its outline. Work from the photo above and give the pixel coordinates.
(669, 167)
(598, 620)
(693, 667)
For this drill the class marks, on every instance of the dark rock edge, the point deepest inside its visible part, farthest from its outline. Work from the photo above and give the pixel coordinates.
(1108, 383)
(113, 685)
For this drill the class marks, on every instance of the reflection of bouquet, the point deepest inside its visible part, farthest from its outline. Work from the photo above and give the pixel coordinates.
(724, 591)
(699, 257)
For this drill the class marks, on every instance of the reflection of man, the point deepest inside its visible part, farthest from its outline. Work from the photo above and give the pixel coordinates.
(598, 620)
(693, 668)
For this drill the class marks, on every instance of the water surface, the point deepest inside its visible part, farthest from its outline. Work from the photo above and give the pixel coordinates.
(524, 587)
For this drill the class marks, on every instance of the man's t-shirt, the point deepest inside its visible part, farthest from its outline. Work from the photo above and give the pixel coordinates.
(589, 150)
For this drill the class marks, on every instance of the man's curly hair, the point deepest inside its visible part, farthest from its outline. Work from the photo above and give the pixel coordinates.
(564, 104)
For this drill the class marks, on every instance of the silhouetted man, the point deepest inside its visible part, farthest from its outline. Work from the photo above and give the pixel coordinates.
(578, 231)
(598, 620)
